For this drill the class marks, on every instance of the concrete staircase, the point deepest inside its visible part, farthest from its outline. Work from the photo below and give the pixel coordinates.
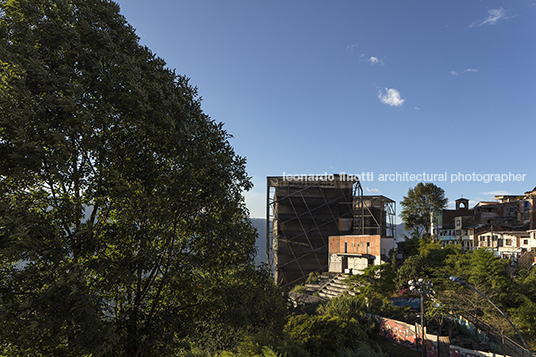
(328, 285)
(527, 260)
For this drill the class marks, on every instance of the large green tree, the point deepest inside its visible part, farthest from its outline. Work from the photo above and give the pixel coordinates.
(120, 200)
(419, 203)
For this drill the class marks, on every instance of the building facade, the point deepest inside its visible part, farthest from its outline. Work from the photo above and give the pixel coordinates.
(304, 212)
(356, 252)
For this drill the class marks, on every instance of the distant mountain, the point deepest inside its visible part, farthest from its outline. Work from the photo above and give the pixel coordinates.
(400, 232)
(260, 224)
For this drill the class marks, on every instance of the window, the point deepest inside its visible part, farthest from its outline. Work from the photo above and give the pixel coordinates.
(526, 205)
(525, 241)
(508, 242)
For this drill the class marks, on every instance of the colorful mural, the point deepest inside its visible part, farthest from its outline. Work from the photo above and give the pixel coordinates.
(398, 332)
(408, 335)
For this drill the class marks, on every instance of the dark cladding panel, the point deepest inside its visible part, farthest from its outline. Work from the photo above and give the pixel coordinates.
(303, 216)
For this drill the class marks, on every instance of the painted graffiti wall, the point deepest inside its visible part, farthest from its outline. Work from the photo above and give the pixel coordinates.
(409, 336)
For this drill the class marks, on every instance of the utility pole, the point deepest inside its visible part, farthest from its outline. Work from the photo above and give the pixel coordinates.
(422, 287)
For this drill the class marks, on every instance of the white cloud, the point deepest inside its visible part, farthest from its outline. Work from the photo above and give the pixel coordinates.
(351, 47)
(496, 193)
(391, 97)
(494, 16)
(372, 190)
(454, 73)
(375, 60)
(417, 108)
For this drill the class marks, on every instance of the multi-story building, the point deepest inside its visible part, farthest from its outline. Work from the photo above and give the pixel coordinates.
(455, 226)
(304, 212)
(506, 225)
(526, 209)
(356, 252)
(507, 244)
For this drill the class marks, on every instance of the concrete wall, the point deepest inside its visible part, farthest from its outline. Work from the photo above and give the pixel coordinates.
(335, 263)
(339, 263)
(357, 263)
(409, 336)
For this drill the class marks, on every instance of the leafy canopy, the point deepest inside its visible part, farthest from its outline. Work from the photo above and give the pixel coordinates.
(120, 200)
(420, 202)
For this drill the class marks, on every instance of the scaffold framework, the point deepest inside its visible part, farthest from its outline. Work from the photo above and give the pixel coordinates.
(302, 215)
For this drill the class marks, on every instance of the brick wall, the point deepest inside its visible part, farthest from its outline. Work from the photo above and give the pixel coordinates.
(355, 245)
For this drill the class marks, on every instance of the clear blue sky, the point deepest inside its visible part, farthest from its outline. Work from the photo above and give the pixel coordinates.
(308, 87)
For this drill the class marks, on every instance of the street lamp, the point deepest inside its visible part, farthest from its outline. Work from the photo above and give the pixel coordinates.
(421, 287)
(461, 282)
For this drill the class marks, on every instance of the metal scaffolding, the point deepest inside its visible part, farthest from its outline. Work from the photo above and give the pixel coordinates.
(375, 216)
(301, 215)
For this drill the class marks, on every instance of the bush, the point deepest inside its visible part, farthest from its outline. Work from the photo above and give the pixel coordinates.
(263, 343)
(312, 278)
(323, 335)
(299, 289)
(364, 350)
(344, 307)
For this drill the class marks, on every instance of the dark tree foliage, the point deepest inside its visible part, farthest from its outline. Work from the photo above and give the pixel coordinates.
(375, 283)
(324, 335)
(420, 202)
(240, 303)
(521, 304)
(120, 200)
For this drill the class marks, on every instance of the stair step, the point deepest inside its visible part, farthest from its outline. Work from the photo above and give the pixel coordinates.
(327, 294)
(336, 288)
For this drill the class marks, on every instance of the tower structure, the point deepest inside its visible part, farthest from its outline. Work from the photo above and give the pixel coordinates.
(302, 213)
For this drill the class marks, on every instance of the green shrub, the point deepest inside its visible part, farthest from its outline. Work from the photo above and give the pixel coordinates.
(312, 278)
(323, 335)
(264, 344)
(299, 289)
(345, 307)
(194, 352)
(363, 350)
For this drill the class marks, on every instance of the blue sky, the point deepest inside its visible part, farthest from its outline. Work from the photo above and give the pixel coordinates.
(379, 87)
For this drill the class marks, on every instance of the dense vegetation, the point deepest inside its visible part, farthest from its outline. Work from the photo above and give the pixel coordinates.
(340, 327)
(123, 229)
(515, 296)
